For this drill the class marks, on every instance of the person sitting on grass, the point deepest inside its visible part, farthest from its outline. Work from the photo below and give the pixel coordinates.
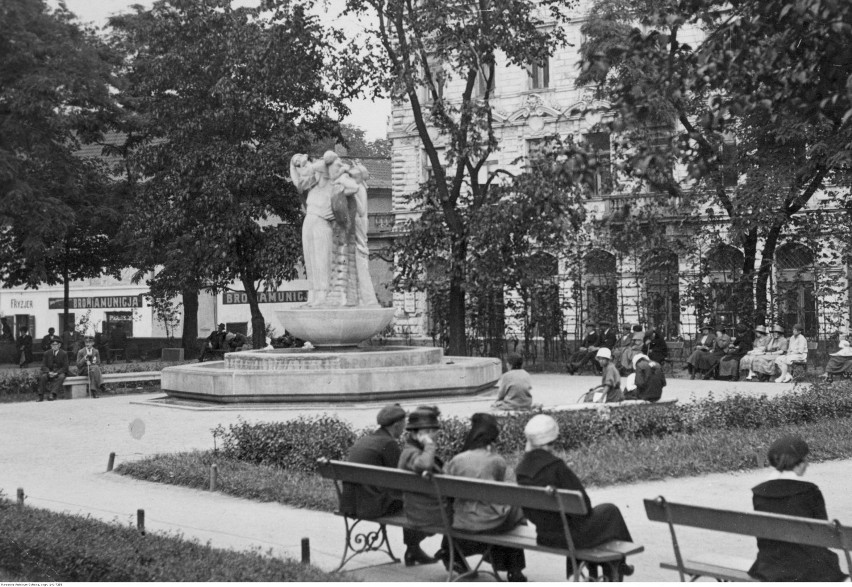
(839, 363)
(513, 389)
(540, 467)
(478, 460)
(381, 449)
(784, 493)
(610, 388)
(419, 456)
(648, 380)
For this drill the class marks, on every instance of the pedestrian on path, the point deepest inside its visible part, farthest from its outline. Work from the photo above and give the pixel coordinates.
(381, 449)
(540, 467)
(784, 493)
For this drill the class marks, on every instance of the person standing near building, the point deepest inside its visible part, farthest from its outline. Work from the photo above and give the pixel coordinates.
(45, 341)
(54, 369)
(25, 347)
(89, 364)
(381, 449)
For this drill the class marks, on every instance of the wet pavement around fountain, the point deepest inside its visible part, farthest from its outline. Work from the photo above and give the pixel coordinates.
(58, 452)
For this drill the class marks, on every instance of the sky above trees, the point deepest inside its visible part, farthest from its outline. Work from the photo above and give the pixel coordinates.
(366, 114)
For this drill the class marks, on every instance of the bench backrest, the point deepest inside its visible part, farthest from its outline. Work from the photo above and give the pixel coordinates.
(540, 498)
(760, 525)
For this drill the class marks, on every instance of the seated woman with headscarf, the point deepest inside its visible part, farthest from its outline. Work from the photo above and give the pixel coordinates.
(764, 364)
(540, 467)
(839, 363)
(478, 460)
(729, 364)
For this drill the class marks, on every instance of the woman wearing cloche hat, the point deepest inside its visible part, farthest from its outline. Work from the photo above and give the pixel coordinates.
(785, 493)
(764, 364)
(540, 467)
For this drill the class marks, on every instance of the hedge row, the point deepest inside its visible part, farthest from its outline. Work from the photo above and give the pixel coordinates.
(39, 545)
(23, 382)
(297, 444)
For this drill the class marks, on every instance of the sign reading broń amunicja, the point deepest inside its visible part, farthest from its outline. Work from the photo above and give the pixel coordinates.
(266, 297)
(97, 302)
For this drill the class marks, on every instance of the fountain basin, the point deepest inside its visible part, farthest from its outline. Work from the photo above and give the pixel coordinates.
(336, 327)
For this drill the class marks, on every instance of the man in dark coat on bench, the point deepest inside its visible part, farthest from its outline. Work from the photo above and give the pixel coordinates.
(381, 449)
(54, 369)
(588, 350)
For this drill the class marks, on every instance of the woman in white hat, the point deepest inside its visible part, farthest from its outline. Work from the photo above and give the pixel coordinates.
(839, 363)
(764, 364)
(761, 339)
(540, 467)
(610, 388)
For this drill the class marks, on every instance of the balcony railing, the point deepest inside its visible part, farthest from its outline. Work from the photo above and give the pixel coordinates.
(380, 222)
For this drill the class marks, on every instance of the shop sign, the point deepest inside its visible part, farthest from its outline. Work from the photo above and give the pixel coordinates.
(267, 297)
(20, 304)
(96, 302)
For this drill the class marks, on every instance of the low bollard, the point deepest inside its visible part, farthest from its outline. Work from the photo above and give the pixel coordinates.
(20, 496)
(140, 521)
(111, 462)
(306, 551)
(214, 476)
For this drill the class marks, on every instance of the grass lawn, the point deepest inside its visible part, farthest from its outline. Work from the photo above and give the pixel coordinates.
(611, 461)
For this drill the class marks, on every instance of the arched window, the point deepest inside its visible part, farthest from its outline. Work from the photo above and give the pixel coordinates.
(662, 292)
(545, 307)
(724, 269)
(601, 280)
(794, 274)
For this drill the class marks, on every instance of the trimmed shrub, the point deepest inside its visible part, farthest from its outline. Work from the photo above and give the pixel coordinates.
(295, 444)
(39, 545)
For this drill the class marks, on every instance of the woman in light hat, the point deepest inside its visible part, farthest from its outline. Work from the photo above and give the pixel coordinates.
(797, 350)
(540, 467)
(764, 364)
(761, 339)
(839, 363)
(784, 493)
(610, 388)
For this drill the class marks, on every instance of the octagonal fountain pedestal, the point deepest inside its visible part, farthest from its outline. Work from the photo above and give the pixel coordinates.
(338, 375)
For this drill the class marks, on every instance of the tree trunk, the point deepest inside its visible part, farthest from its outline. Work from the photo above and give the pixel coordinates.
(456, 310)
(746, 286)
(258, 323)
(189, 337)
(766, 262)
(66, 295)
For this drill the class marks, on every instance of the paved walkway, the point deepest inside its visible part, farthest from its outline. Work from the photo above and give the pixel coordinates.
(58, 451)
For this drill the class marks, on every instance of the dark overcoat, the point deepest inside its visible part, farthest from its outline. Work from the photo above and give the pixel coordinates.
(365, 501)
(55, 363)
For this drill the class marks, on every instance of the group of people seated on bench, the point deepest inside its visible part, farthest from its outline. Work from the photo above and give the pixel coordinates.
(634, 341)
(222, 341)
(55, 367)
(477, 459)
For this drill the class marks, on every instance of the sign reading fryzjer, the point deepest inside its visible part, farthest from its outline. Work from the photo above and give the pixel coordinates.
(97, 302)
(266, 297)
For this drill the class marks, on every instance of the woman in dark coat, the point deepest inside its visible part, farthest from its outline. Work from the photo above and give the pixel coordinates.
(729, 365)
(25, 347)
(786, 494)
(539, 467)
(656, 347)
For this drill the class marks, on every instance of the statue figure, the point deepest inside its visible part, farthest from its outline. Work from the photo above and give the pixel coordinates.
(334, 232)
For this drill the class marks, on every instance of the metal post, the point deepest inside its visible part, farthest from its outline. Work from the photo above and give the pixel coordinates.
(111, 462)
(20, 497)
(140, 521)
(214, 476)
(306, 551)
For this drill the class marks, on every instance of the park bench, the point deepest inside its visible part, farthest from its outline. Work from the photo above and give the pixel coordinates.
(79, 384)
(760, 525)
(607, 555)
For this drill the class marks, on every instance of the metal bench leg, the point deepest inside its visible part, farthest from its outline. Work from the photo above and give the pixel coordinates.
(372, 541)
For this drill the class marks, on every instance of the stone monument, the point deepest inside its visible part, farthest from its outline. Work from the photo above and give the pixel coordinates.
(341, 312)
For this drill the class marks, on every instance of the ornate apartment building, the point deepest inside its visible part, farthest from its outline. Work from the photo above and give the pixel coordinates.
(672, 287)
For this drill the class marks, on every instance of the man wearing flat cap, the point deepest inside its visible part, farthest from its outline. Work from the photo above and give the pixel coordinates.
(381, 449)
(54, 369)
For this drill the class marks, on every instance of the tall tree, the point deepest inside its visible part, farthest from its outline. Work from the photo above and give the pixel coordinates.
(221, 98)
(57, 209)
(429, 44)
(756, 110)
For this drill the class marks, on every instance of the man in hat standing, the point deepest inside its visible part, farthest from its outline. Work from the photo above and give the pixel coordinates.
(588, 350)
(381, 449)
(54, 369)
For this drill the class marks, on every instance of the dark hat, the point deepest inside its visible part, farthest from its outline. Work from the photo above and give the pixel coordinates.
(424, 417)
(222, 325)
(484, 430)
(390, 414)
(591, 323)
(55, 339)
(787, 452)
(706, 326)
(742, 327)
(604, 323)
(798, 327)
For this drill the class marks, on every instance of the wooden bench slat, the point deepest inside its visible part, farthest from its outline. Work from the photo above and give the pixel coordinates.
(773, 526)
(701, 569)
